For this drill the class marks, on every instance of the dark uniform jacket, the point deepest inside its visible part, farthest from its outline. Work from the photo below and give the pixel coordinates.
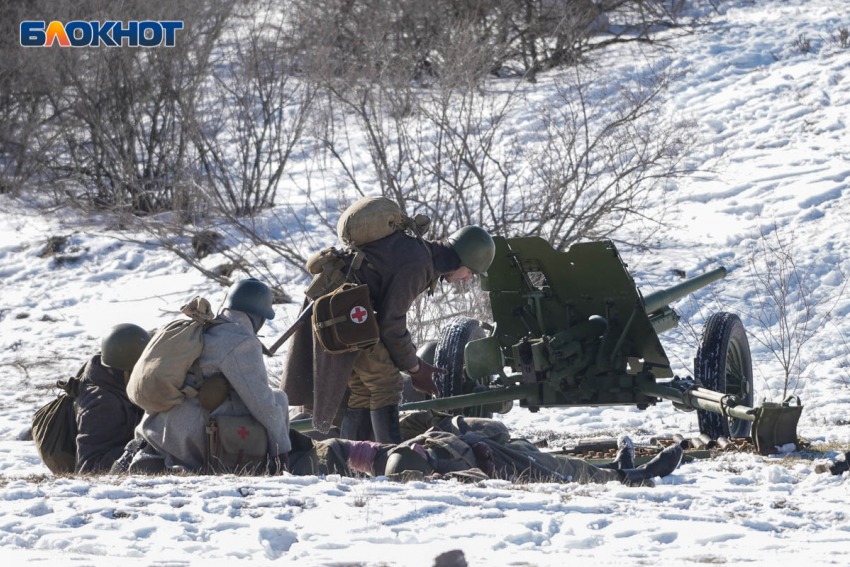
(105, 418)
(397, 270)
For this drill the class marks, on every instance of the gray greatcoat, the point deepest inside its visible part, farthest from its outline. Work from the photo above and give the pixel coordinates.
(232, 349)
(397, 270)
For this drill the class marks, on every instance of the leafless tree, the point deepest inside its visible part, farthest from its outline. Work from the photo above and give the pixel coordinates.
(525, 36)
(114, 114)
(787, 310)
(23, 103)
(604, 159)
(252, 112)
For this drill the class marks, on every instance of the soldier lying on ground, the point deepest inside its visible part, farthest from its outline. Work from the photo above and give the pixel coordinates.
(473, 449)
(104, 414)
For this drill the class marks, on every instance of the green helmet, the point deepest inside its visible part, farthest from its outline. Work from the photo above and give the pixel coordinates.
(251, 296)
(475, 248)
(406, 459)
(428, 352)
(122, 346)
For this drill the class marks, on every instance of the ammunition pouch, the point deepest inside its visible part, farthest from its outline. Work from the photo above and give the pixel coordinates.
(328, 267)
(236, 445)
(344, 320)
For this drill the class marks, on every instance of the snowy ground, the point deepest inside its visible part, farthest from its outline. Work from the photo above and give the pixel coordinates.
(776, 151)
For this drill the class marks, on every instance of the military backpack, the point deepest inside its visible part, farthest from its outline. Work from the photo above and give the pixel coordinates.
(157, 382)
(54, 429)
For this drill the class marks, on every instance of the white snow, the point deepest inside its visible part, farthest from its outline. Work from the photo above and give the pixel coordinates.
(775, 155)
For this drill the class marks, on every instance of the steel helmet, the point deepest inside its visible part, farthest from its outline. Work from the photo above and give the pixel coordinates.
(475, 248)
(251, 296)
(122, 346)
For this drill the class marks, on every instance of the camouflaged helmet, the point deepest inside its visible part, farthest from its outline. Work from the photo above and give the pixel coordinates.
(122, 346)
(251, 296)
(428, 352)
(475, 247)
(406, 459)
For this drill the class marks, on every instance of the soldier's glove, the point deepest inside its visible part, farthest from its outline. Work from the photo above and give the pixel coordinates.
(423, 379)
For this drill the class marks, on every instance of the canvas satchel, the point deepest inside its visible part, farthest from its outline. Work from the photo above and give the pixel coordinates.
(236, 445)
(373, 218)
(157, 382)
(54, 429)
(344, 320)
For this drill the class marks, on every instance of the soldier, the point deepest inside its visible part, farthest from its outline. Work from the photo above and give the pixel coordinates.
(397, 269)
(485, 453)
(177, 439)
(471, 449)
(104, 414)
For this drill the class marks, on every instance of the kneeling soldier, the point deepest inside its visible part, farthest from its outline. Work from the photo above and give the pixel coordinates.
(105, 416)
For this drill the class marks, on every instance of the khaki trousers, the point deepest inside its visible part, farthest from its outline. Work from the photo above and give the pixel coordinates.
(375, 381)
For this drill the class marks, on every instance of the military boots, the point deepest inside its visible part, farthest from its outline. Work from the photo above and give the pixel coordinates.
(385, 425)
(356, 424)
(625, 458)
(663, 464)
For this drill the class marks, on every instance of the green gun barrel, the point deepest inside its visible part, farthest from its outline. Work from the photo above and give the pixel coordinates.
(659, 299)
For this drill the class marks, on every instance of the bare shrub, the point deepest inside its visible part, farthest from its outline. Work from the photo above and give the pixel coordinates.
(244, 123)
(252, 111)
(116, 116)
(527, 36)
(600, 161)
(604, 159)
(23, 104)
(788, 310)
(841, 38)
(803, 44)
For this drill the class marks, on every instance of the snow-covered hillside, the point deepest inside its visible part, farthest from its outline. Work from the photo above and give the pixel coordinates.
(775, 158)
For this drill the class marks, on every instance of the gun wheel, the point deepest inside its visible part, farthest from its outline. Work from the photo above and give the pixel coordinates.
(723, 364)
(449, 355)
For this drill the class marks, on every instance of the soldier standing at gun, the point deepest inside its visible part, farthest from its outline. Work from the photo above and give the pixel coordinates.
(397, 267)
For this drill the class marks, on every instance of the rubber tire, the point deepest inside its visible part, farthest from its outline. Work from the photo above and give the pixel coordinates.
(710, 367)
(450, 346)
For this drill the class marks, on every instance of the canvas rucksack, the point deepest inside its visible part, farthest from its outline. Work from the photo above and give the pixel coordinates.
(157, 382)
(54, 429)
(374, 218)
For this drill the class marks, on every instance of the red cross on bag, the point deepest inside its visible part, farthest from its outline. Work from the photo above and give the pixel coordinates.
(358, 314)
(243, 433)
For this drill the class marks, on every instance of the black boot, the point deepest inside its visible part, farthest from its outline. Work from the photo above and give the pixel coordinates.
(385, 425)
(663, 464)
(625, 458)
(836, 467)
(356, 424)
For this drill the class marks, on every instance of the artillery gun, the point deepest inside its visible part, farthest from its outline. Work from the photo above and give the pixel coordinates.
(575, 331)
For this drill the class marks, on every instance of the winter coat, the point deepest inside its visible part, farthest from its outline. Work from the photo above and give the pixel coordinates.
(232, 349)
(105, 417)
(397, 270)
(518, 460)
